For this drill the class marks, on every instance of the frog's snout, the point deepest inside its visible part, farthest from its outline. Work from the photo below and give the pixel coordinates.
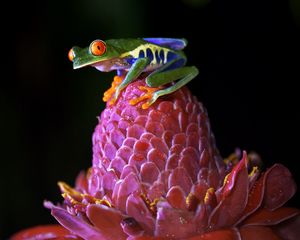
(71, 54)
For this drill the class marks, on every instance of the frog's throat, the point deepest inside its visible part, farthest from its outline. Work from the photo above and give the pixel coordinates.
(108, 65)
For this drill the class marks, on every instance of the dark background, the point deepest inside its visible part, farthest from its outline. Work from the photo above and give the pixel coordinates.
(248, 56)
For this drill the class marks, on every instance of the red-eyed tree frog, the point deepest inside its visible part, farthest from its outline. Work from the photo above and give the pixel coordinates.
(161, 58)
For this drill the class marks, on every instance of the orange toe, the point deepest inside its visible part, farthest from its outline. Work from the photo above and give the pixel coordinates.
(108, 95)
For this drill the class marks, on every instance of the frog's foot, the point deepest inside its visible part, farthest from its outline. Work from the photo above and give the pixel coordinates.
(149, 94)
(108, 95)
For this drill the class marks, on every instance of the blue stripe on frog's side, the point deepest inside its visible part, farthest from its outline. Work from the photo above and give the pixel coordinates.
(149, 54)
(171, 56)
(141, 54)
(162, 55)
(157, 57)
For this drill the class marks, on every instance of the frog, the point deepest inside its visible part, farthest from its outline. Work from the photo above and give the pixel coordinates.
(161, 59)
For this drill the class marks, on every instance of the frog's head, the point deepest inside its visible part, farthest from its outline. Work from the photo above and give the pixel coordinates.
(99, 54)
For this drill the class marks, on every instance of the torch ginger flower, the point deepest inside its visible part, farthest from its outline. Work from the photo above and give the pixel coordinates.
(157, 174)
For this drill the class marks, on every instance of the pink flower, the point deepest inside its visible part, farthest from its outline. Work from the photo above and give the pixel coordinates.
(157, 174)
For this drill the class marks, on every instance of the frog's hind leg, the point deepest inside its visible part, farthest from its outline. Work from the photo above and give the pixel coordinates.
(181, 75)
(156, 80)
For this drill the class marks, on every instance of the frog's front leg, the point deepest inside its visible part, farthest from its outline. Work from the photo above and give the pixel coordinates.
(136, 69)
(157, 79)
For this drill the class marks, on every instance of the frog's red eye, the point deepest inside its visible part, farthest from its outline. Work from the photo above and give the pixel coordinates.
(71, 55)
(97, 47)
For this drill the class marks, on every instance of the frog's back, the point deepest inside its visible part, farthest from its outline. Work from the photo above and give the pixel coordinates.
(126, 44)
(129, 44)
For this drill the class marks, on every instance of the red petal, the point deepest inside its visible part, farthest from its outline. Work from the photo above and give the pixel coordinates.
(176, 149)
(172, 161)
(106, 219)
(255, 197)
(155, 127)
(239, 170)
(117, 164)
(128, 169)
(274, 187)
(176, 197)
(233, 197)
(108, 182)
(221, 234)
(216, 235)
(268, 217)
(174, 222)
(258, 232)
(129, 185)
(213, 176)
(204, 159)
(44, 232)
(158, 143)
(141, 147)
(164, 179)
(180, 177)
(179, 138)
(131, 227)
(167, 136)
(201, 218)
(76, 225)
(158, 157)
(183, 121)
(289, 230)
(156, 190)
(137, 209)
(135, 131)
(280, 187)
(190, 163)
(199, 189)
(203, 174)
(149, 172)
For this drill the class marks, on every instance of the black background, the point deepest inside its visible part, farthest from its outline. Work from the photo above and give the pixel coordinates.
(247, 53)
